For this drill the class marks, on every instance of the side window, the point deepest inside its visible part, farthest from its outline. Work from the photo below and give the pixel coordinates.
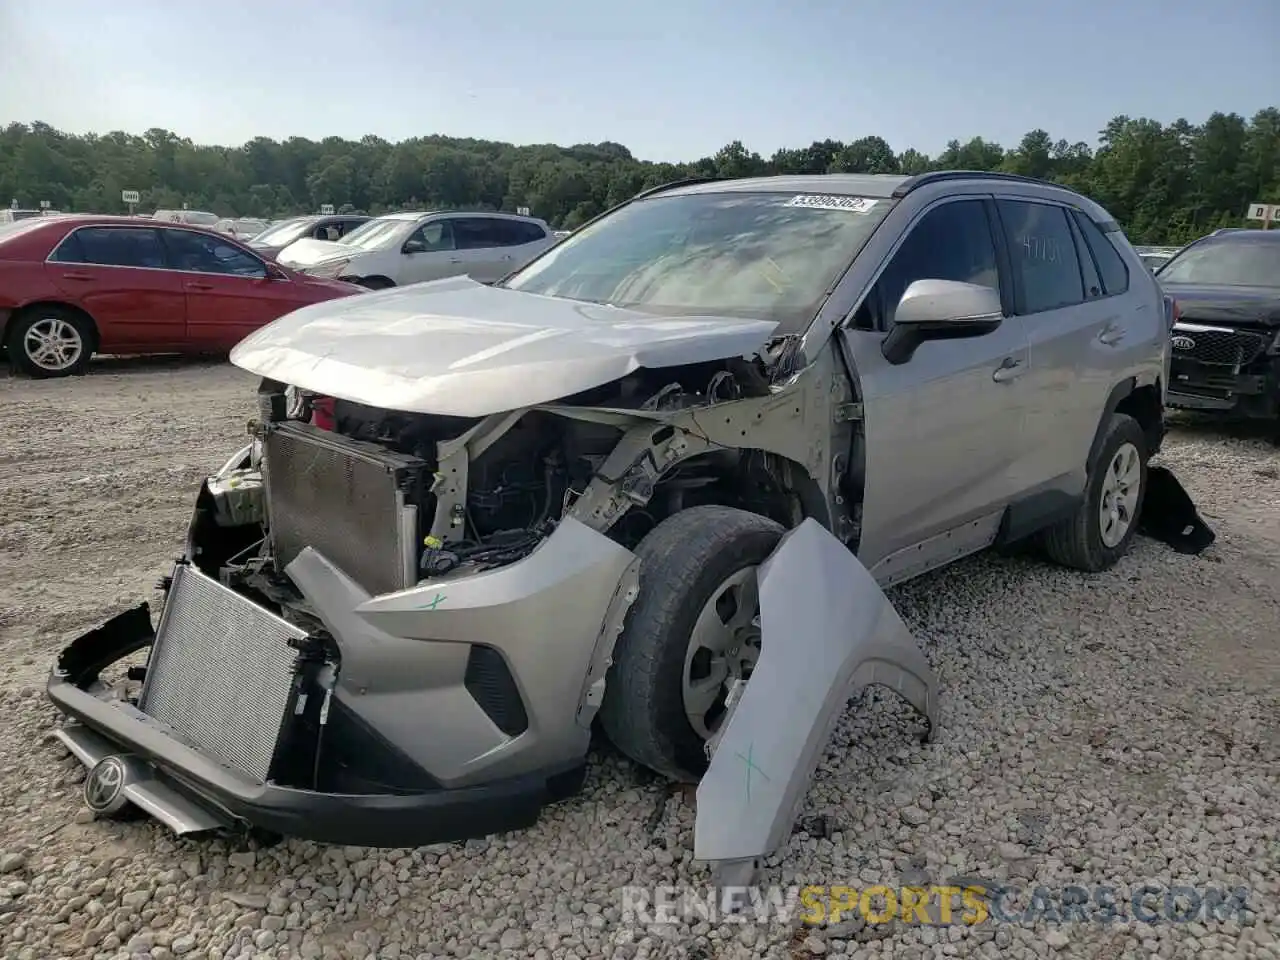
(1088, 269)
(522, 232)
(1043, 254)
(69, 250)
(1111, 266)
(113, 247)
(328, 231)
(435, 236)
(952, 241)
(346, 226)
(479, 233)
(200, 253)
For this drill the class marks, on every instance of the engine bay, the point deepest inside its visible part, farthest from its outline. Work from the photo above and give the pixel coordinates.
(517, 488)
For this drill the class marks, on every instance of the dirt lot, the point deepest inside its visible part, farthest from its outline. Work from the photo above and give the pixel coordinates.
(1106, 728)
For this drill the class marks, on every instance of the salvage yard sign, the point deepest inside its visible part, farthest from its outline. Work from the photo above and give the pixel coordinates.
(1266, 212)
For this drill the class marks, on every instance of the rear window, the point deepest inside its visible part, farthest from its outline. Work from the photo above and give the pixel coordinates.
(765, 255)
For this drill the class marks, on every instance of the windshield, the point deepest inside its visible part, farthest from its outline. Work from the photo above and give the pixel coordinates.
(198, 218)
(381, 232)
(767, 255)
(283, 233)
(1232, 263)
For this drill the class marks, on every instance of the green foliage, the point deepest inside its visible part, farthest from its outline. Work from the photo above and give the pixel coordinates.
(1165, 184)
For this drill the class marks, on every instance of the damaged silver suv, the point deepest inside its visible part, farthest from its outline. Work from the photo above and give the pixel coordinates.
(684, 448)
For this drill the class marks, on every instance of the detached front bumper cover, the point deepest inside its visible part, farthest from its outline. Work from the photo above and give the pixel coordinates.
(190, 792)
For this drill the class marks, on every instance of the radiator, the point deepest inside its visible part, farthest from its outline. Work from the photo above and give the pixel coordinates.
(220, 672)
(345, 498)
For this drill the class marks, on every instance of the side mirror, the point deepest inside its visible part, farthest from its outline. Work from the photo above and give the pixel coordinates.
(275, 272)
(940, 310)
(414, 246)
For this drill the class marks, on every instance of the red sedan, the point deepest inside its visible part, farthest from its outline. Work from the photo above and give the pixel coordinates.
(73, 286)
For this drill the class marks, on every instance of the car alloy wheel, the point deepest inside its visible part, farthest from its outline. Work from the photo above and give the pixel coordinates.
(53, 344)
(1121, 485)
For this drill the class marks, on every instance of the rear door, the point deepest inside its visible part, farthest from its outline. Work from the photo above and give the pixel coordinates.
(120, 276)
(229, 291)
(481, 243)
(1076, 328)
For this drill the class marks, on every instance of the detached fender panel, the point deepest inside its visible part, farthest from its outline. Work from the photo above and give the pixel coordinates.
(827, 631)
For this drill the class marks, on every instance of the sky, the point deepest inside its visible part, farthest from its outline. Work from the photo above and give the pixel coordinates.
(671, 79)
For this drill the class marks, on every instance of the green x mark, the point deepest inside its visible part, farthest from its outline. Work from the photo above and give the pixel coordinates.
(435, 602)
(751, 765)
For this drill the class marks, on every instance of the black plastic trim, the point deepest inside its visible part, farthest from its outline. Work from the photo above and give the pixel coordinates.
(489, 681)
(1034, 513)
(1118, 393)
(943, 176)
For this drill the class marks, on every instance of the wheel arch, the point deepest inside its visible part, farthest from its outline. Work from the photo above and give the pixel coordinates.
(19, 312)
(1144, 403)
(771, 485)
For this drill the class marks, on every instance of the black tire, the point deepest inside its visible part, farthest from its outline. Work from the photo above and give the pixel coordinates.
(374, 283)
(683, 560)
(1077, 541)
(17, 346)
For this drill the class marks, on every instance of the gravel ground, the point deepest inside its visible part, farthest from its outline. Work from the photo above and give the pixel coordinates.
(1115, 729)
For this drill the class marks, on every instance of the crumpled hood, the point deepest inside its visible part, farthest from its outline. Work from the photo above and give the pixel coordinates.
(306, 252)
(1240, 306)
(460, 348)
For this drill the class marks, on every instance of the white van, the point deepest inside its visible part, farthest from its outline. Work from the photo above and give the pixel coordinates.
(195, 218)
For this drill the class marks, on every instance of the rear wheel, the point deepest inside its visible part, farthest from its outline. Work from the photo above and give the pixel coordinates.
(691, 634)
(50, 342)
(1104, 526)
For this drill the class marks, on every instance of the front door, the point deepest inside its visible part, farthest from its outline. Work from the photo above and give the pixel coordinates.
(429, 254)
(230, 292)
(120, 276)
(944, 429)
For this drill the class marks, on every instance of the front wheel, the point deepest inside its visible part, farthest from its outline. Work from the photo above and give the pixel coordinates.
(50, 342)
(1104, 525)
(692, 633)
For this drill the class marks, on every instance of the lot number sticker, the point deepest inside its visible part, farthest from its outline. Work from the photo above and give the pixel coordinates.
(819, 202)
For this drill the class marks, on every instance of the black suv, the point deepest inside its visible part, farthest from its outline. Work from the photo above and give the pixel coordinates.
(1226, 338)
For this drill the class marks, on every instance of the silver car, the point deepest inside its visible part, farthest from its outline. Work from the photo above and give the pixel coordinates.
(683, 449)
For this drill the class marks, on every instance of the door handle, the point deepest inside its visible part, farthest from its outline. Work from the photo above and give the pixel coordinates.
(508, 257)
(1009, 369)
(77, 276)
(199, 286)
(455, 259)
(1111, 335)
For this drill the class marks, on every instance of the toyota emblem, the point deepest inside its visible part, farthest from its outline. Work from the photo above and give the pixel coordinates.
(1183, 343)
(104, 786)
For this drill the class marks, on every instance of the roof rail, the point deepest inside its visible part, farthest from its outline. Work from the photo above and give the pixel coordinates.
(687, 181)
(939, 176)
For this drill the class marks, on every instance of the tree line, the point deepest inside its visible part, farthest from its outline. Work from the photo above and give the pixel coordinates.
(1164, 183)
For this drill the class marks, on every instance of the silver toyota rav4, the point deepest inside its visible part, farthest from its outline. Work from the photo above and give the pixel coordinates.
(685, 447)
